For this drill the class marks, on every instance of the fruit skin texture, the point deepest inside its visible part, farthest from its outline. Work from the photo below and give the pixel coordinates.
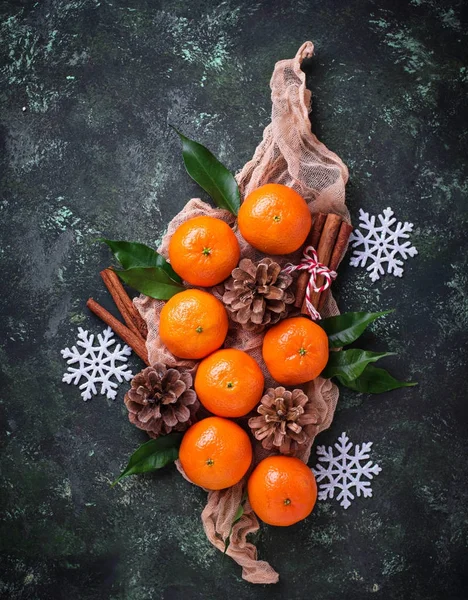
(275, 219)
(193, 324)
(204, 251)
(215, 453)
(282, 490)
(229, 383)
(295, 351)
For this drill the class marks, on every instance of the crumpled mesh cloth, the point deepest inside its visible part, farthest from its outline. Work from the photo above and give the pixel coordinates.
(292, 155)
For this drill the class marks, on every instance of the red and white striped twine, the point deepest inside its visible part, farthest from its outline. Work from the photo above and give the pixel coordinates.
(310, 263)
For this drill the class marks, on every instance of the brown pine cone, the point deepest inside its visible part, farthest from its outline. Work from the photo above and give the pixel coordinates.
(257, 294)
(283, 416)
(160, 400)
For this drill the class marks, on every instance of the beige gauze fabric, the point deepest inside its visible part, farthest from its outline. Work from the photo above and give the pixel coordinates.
(292, 155)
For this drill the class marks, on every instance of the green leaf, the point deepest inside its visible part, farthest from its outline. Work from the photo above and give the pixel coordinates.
(133, 254)
(210, 174)
(153, 455)
(346, 328)
(375, 381)
(349, 364)
(151, 281)
(237, 517)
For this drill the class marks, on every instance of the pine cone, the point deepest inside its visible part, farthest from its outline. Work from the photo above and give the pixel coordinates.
(257, 294)
(160, 400)
(284, 415)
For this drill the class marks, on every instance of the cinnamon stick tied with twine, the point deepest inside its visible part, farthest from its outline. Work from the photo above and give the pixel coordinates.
(329, 235)
(324, 251)
(136, 342)
(131, 316)
(339, 249)
(318, 221)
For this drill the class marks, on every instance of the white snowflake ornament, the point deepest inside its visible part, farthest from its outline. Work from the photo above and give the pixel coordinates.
(97, 364)
(381, 244)
(345, 471)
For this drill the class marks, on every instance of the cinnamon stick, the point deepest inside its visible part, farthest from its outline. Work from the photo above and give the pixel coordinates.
(317, 228)
(131, 316)
(318, 221)
(136, 342)
(301, 287)
(324, 251)
(337, 254)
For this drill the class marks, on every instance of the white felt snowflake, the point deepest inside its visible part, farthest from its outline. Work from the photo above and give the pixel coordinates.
(345, 471)
(97, 364)
(381, 244)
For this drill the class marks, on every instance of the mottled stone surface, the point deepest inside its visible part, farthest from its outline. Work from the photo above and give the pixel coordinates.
(88, 91)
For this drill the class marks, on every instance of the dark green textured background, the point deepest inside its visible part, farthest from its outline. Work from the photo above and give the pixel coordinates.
(92, 153)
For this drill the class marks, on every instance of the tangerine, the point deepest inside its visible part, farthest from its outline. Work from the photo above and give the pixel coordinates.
(193, 324)
(229, 383)
(215, 453)
(282, 490)
(295, 350)
(204, 251)
(275, 219)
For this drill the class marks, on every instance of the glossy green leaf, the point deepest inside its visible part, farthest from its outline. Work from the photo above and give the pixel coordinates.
(349, 364)
(346, 328)
(237, 517)
(151, 281)
(375, 381)
(153, 455)
(133, 254)
(204, 168)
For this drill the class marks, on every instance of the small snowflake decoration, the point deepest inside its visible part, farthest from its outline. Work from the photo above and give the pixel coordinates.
(381, 244)
(97, 364)
(345, 471)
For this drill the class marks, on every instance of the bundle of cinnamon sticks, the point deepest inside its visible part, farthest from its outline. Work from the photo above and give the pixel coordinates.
(134, 332)
(329, 236)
